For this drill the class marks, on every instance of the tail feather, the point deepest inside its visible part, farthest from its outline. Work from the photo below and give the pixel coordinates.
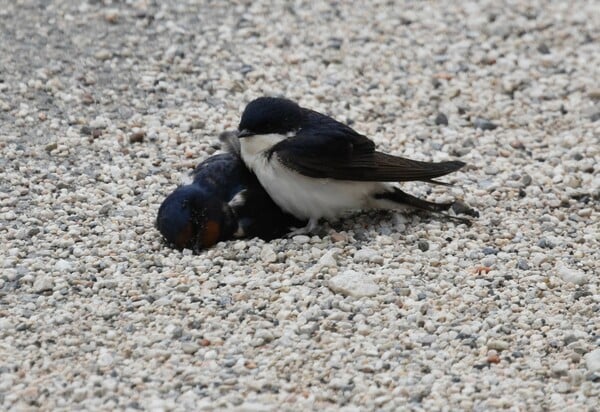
(401, 199)
(401, 169)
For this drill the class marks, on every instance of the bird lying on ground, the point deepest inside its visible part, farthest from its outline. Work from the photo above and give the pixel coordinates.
(316, 167)
(223, 201)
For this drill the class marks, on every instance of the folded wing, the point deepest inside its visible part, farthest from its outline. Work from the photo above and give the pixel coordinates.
(329, 149)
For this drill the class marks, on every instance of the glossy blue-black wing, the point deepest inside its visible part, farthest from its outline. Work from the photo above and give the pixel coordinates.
(325, 148)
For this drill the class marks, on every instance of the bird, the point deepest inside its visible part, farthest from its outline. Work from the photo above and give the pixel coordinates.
(314, 166)
(223, 201)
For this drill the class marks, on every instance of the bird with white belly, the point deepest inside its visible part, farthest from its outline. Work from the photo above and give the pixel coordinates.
(315, 167)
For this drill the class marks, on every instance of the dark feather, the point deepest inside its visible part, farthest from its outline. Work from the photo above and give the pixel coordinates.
(339, 153)
(404, 198)
(230, 142)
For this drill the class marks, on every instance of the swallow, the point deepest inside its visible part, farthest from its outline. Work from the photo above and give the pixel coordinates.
(315, 167)
(223, 201)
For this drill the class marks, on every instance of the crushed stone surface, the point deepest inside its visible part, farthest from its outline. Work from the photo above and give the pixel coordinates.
(104, 105)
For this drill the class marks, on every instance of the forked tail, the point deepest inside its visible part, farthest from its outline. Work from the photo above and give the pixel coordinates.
(401, 198)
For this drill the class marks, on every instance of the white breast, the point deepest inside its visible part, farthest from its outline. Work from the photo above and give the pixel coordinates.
(302, 196)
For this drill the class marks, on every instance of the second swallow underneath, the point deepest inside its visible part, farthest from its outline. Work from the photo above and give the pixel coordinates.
(315, 167)
(223, 201)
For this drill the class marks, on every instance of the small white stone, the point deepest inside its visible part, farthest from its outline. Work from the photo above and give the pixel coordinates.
(560, 368)
(5, 324)
(538, 258)
(254, 407)
(104, 358)
(571, 275)
(328, 259)
(351, 283)
(563, 387)
(497, 344)
(190, 347)
(108, 311)
(268, 255)
(301, 239)
(239, 245)
(63, 265)
(592, 360)
(368, 255)
(103, 54)
(99, 122)
(43, 283)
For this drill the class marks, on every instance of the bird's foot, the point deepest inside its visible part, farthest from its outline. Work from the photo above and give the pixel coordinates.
(306, 230)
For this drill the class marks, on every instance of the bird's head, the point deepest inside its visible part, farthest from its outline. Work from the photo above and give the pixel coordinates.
(191, 218)
(267, 115)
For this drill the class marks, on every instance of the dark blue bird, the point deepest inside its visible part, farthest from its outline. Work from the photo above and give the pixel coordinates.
(224, 201)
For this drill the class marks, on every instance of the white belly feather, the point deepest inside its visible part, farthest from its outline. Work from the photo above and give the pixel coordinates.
(302, 196)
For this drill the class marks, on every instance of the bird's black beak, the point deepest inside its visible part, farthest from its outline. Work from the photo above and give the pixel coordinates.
(244, 133)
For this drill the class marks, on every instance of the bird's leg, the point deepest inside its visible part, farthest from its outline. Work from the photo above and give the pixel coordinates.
(240, 232)
(308, 229)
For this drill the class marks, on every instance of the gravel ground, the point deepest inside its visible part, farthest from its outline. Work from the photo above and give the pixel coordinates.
(104, 105)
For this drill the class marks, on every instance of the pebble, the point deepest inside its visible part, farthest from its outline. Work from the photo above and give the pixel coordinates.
(105, 358)
(484, 124)
(137, 137)
(489, 251)
(594, 94)
(563, 387)
(497, 344)
(338, 237)
(268, 255)
(301, 239)
(491, 170)
(103, 54)
(560, 368)
(111, 16)
(63, 265)
(592, 360)
(368, 255)
(351, 283)
(423, 245)
(328, 259)
(190, 347)
(441, 119)
(109, 311)
(538, 258)
(43, 283)
(545, 244)
(571, 275)
(99, 122)
(543, 48)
